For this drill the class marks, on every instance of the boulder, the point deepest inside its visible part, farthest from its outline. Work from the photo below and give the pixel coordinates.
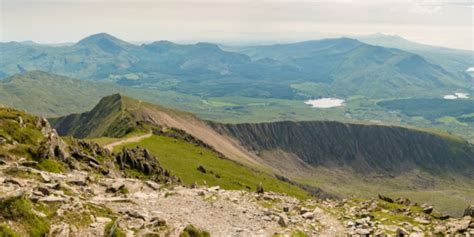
(260, 188)
(20, 121)
(283, 220)
(60, 230)
(14, 181)
(78, 182)
(428, 209)
(202, 169)
(45, 177)
(403, 201)
(136, 214)
(153, 185)
(157, 222)
(469, 211)
(308, 215)
(384, 198)
(115, 187)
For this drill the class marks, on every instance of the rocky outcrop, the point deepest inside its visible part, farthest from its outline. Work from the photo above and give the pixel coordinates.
(143, 161)
(52, 146)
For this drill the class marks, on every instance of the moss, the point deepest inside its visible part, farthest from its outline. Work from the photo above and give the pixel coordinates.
(22, 174)
(19, 209)
(50, 166)
(118, 232)
(298, 233)
(124, 190)
(80, 219)
(191, 231)
(11, 130)
(5, 231)
(100, 210)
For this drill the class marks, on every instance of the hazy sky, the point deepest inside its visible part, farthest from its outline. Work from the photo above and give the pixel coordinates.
(438, 22)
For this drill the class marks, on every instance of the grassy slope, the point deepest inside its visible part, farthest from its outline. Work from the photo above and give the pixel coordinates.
(47, 94)
(451, 194)
(183, 159)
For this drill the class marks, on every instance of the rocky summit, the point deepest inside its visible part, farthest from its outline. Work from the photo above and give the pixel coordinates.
(54, 186)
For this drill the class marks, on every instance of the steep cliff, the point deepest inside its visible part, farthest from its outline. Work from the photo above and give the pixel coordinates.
(364, 148)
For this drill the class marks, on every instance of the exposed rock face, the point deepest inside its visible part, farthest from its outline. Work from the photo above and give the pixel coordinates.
(53, 146)
(142, 160)
(364, 148)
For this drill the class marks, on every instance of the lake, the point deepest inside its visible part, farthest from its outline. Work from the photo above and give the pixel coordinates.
(325, 103)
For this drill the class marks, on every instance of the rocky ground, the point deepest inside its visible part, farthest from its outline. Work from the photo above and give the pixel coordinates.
(145, 207)
(140, 208)
(53, 187)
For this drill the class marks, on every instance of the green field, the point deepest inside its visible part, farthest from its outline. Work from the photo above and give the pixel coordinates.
(183, 160)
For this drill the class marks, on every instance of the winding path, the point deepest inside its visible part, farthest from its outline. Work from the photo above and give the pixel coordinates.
(111, 146)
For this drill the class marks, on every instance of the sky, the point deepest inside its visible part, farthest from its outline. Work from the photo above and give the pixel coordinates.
(446, 23)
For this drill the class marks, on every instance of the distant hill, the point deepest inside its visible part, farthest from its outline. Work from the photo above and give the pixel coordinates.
(341, 67)
(47, 94)
(346, 67)
(455, 60)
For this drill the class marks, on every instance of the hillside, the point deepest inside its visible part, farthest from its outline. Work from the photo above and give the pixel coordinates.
(454, 60)
(118, 115)
(337, 64)
(51, 95)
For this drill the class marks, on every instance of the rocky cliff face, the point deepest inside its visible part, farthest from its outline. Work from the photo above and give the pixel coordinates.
(365, 148)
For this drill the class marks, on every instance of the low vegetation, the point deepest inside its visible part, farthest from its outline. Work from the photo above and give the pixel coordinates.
(191, 231)
(20, 210)
(183, 160)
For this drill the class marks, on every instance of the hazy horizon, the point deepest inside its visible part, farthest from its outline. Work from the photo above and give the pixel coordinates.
(433, 22)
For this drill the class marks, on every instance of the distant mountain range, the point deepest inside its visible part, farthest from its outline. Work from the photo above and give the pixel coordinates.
(341, 67)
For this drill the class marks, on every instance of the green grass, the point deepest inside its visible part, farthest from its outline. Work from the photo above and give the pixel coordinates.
(6, 231)
(118, 232)
(19, 209)
(51, 166)
(299, 233)
(22, 174)
(191, 231)
(449, 194)
(183, 159)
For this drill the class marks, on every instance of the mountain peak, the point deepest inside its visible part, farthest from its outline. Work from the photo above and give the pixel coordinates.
(104, 41)
(97, 37)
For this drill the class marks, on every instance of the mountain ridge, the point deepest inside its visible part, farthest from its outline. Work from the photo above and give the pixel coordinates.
(333, 66)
